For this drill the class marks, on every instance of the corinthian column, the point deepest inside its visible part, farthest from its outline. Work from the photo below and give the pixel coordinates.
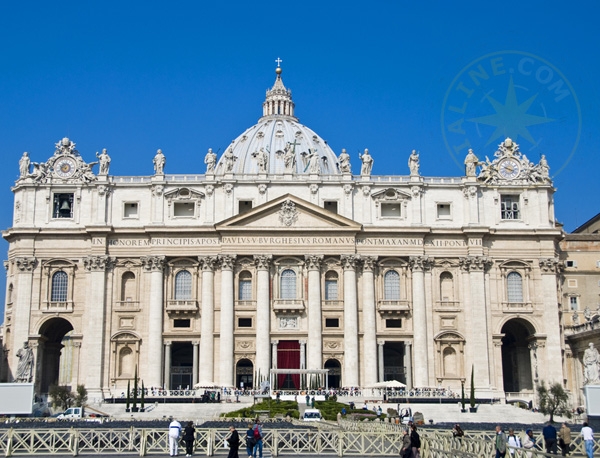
(226, 353)
(93, 341)
(550, 269)
(263, 318)
(476, 266)
(207, 329)
(155, 266)
(421, 374)
(315, 337)
(369, 322)
(350, 321)
(22, 308)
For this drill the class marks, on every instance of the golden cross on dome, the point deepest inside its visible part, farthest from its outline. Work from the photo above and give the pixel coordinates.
(279, 61)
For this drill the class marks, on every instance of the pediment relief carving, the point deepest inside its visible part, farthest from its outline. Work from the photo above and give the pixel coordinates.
(390, 195)
(183, 194)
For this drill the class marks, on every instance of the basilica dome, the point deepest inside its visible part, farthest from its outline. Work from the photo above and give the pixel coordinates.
(278, 143)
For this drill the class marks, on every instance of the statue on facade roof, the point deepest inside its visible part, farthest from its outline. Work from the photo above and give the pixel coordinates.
(471, 162)
(210, 160)
(262, 160)
(159, 163)
(414, 163)
(314, 165)
(289, 157)
(229, 160)
(24, 164)
(367, 163)
(104, 160)
(344, 161)
(591, 365)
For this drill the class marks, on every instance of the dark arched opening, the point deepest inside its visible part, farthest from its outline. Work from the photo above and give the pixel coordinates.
(516, 359)
(244, 370)
(52, 334)
(335, 373)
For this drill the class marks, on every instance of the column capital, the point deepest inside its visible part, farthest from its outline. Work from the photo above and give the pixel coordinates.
(420, 263)
(97, 263)
(475, 263)
(153, 263)
(349, 261)
(302, 342)
(274, 342)
(167, 343)
(550, 265)
(263, 261)
(25, 264)
(313, 262)
(369, 263)
(207, 263)
(227, 261)
(380, 342)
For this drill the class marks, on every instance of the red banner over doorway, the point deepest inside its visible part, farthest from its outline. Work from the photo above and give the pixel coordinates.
(288, 357)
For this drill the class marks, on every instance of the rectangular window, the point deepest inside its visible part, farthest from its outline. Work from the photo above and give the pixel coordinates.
(244, 322)
(332, 322)
(574, 303)
(130, 210)
(184, 209)
(63, 206)
(332, 206)
(245, 290)
(509, 207)
(390, 210)
(331, 290)
(244, 206)
(443, 211)
(571, 263)
(393, 323)
(181, 323)
(572, 283)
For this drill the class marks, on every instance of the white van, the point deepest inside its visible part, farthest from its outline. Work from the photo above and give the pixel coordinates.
(312, 415)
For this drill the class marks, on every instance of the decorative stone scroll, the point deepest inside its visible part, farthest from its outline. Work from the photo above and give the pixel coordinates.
(369, 263)
(420, 263)
(349, 261)
(97, 263)
(262, 261)
(227, 261)
(153, 263)
(208, 263)
(550, 265)
(313, 262)
(475, 263)
(25, 264)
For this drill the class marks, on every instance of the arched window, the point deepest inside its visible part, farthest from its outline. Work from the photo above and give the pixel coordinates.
(288, 284)
(10, 294)
(450, 362)
(391, 286)
(128, 287)
(514, 287)
(60, 282)
(183, 286)
(446, 287)
(126, 362)
(331, 286)
(245, 286)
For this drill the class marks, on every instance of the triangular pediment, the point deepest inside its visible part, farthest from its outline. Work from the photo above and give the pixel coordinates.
(289, 212)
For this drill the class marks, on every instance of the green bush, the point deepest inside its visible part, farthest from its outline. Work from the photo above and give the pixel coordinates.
(275, 408)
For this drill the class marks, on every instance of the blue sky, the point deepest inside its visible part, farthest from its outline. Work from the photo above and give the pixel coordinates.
(133, 77)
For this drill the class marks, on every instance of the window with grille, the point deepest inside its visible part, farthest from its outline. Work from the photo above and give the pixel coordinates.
(245, 286)
(63, 206)
(60, 282)
(509, 207)
(288, 284)
(574, 303)
(514, 283)
(391, 286)
(183, 286)
(331, 286)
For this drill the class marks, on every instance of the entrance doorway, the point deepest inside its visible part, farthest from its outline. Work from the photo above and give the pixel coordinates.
(516, 359)
(182, 365)
(335, 373)
(288, 357)
(393, 361)
(243, 374)
(51, 344)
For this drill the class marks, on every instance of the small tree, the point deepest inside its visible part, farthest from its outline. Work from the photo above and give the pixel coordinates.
(553, 400)
(61, 395)
(128, 395)
(135, 389)
(462, 394)
(142, 397)
(472, 400)
(81, 396)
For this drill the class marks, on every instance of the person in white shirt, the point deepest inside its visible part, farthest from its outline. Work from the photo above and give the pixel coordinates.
(513, 441)
(588, 438)
(174, 431)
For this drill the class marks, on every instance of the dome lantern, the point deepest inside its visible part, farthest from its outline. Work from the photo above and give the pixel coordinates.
(279, 99)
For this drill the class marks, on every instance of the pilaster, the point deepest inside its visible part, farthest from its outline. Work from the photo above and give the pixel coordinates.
(369, 321)
(263, 318)
(227, 321)
(351, 354)
(315, 334)
(418, 264)
(154, 266)
(207, 320)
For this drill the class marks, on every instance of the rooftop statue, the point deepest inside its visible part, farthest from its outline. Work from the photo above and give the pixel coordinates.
(289, 157)
(471, 162)
(229, 160)
(104, 160)
(24, 164)
(344, 162)
(210, 160)
(414, 164)
(367, 163)
(159, 163)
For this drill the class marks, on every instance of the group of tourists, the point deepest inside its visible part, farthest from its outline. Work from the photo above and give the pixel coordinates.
(552, 440)
(411, 442)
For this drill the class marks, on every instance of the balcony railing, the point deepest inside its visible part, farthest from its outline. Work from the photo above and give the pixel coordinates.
(127, 306)
(182, 306)
(390, 307)
(58, 306)
(521, 307)
(288, 305)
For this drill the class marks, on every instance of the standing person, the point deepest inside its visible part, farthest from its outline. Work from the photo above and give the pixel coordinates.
(529, 442)
(406, 450)
(549, 433)
(415, 442)
(588, 439)
(233, 439)
(457, 432)
(258, 435)
(189, 435)
(174, 432)
(564, 439)
(500, 442)
(250, 442)
(513, 441)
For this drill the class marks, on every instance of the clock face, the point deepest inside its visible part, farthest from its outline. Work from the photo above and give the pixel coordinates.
(64, 167)
(509, 169)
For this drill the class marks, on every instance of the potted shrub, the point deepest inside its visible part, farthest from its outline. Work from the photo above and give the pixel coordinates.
(127, 409)
(462, 396)
(473, 408)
